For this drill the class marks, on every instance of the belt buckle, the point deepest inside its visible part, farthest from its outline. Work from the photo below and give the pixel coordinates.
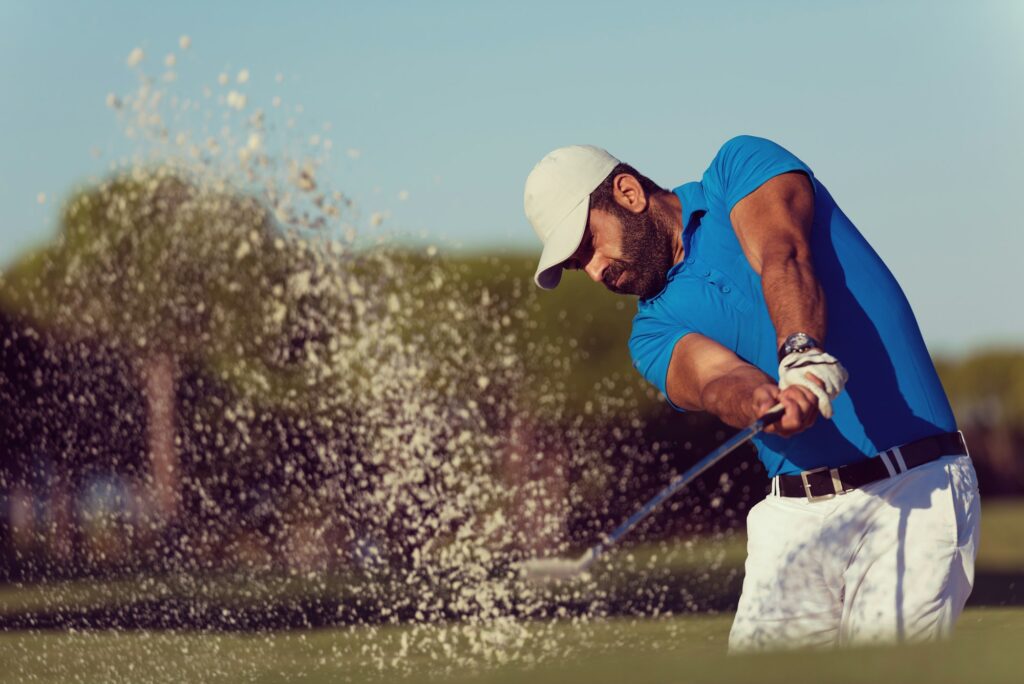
(837, 484)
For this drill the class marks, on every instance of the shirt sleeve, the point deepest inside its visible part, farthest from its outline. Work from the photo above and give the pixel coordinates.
(651, 343)
(746, 162)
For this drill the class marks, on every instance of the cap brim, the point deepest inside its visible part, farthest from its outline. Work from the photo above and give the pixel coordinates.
(564, 241)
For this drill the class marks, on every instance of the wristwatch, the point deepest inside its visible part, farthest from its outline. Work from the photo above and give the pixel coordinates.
(797, 342)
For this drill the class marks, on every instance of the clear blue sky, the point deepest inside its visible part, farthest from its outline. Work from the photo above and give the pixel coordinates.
(910, 112)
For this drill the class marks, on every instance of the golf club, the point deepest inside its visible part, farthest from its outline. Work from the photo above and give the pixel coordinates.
(567, 568)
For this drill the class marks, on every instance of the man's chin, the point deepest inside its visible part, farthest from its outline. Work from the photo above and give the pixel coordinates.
(643, 289)
(627, 292)
(651, 290)
(624, 290)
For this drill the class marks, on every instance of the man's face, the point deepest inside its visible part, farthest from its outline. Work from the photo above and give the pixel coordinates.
(627, 252)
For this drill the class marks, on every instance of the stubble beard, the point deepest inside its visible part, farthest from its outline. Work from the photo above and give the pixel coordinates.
(647, 255)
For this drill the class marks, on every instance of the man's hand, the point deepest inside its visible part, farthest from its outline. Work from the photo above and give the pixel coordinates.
(818, 372)
(801, 407)
(705, 376)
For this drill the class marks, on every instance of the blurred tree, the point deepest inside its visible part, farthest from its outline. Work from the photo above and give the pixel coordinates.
(573, 339)
(161, 269)
(987, 387)
(987, 392)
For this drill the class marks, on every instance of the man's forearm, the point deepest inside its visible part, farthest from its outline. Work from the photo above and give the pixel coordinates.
(731, 397)
(794, 297)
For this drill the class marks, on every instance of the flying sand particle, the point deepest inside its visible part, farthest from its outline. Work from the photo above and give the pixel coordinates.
(428, 452)
(236, 100)
(135, 57)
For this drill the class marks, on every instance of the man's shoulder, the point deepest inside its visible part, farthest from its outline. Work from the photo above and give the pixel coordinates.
(742, 164)
(744, 142)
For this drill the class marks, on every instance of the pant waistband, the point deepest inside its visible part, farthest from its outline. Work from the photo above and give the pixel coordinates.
(819, 484)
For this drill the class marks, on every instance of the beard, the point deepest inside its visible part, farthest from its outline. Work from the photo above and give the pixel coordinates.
(646, 256)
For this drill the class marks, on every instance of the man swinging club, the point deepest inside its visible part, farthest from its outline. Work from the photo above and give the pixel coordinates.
(755, 289)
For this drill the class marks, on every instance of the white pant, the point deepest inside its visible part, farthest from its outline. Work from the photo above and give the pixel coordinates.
(891, 561)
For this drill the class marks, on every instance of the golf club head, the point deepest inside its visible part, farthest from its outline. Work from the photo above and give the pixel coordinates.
(553, 569)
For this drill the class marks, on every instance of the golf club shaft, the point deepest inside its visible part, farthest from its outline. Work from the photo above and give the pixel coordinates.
(680, 481)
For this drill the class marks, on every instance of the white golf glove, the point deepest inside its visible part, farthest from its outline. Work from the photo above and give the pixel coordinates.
(795, 367)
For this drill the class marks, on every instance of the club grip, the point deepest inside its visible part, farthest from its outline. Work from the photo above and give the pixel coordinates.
(773, 415)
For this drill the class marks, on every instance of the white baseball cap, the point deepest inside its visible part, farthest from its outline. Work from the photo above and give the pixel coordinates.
(557, 203)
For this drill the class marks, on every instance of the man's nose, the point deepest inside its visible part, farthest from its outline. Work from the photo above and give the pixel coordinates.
(594, 269)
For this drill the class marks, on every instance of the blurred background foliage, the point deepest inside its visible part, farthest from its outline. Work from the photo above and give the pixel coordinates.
(165, 401)
(986, 387)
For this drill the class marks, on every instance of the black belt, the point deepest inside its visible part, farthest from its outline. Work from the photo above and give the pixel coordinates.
(825, 483)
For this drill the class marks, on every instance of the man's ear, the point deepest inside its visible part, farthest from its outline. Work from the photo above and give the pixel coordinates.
(628, 193)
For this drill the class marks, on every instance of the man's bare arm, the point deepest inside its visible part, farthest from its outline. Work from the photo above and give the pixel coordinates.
(773, 225)
(705, 376)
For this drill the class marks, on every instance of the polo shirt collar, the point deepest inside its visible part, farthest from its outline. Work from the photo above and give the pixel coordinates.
(691, 195)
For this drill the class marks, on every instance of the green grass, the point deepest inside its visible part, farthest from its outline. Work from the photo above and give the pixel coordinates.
(688, 648)
(682, 649)
(1002, 529)
(227, 589)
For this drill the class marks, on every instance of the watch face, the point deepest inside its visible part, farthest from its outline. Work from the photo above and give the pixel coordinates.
(798, 341)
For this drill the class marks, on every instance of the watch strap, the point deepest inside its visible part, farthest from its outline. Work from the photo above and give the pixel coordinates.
(797, 342)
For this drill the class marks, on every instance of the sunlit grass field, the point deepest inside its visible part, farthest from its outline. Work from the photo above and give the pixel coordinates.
(987, 648)
(988, 645)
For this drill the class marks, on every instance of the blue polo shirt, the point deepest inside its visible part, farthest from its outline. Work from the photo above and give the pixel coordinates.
(893, 396)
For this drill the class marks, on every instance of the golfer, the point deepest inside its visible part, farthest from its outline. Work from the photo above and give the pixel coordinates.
(755, 289)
